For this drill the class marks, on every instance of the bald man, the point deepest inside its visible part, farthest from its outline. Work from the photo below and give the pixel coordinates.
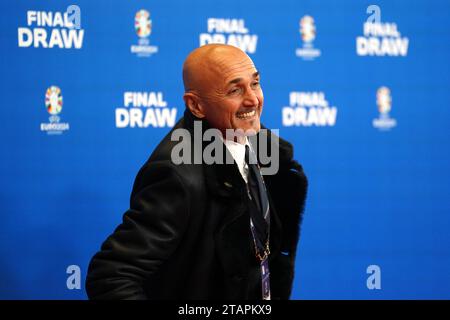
(209, 231)
(222, 86)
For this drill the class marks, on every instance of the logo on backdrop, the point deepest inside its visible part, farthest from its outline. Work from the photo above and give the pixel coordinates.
(54, 104)
(380, 38)
(52, 29)
(229, 31)
(145, 109)
(307, 34)
(142, 23)
(143, 27)
(308, 109)
(384, 102)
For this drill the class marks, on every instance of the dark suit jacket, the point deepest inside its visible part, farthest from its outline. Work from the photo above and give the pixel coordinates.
(187, 235)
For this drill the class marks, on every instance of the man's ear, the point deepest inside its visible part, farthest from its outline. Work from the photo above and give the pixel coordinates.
(192, 102)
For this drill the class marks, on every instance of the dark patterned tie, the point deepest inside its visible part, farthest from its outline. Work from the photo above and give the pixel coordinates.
(257, 191)
(260, 219)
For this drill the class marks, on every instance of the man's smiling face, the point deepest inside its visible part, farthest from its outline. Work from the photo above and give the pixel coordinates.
(228, 92)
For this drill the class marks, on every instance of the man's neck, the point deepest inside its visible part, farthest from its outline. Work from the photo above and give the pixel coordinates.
(241, 139)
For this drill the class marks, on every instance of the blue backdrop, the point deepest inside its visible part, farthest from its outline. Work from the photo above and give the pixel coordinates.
(366, 106)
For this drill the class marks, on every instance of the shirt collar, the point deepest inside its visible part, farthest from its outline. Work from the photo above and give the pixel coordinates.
(237, 151)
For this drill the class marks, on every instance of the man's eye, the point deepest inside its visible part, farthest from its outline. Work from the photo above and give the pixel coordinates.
(255, 84)
(234, 91)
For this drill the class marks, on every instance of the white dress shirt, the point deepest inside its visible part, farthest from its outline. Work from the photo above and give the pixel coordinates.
(237, 150)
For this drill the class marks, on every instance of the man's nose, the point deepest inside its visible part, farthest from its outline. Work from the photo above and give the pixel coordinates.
(250, 98)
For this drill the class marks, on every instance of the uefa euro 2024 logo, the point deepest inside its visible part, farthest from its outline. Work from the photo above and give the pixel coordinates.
(384, 100)
(384, 122)
(54, 104)
(307, 29)
(143, 26)
(142, 23)
(53, 100)
(308, 35)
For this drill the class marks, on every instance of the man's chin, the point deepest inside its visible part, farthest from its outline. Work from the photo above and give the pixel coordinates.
(253, 131)
(249, 128)
(250, 131)
(242, 132)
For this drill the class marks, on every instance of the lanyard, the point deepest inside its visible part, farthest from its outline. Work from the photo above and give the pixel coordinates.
(263, 258)
(264, 264)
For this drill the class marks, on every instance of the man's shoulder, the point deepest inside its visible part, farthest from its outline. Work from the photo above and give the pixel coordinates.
(284, 148)
(163, 150)
(161, 164)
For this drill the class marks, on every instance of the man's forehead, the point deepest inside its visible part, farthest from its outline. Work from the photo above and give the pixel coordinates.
(228, 69)
(216, 65)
